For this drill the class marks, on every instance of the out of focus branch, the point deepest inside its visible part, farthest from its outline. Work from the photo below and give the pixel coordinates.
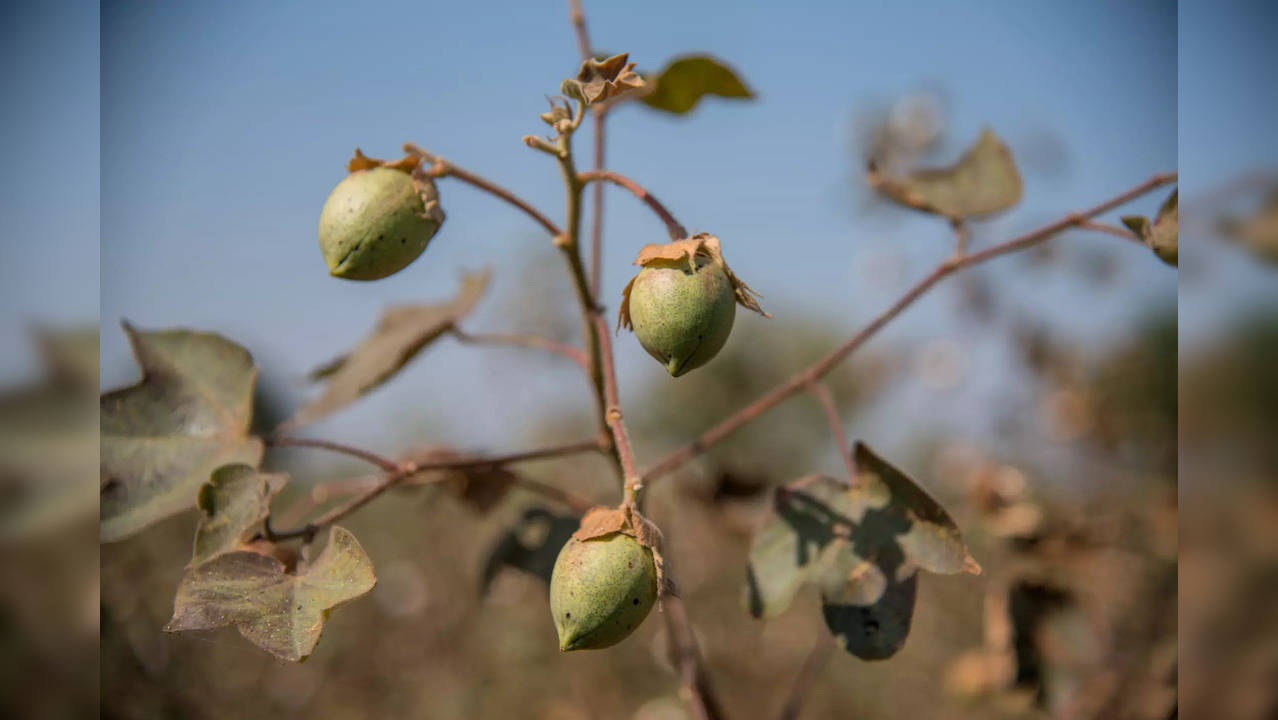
(826, 398)
(827, 363)
(521, 340)
(406, 470)
(807, 676)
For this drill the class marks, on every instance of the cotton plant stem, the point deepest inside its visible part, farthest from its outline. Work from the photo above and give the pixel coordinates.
(826, 399)
(406, 470)
(370, 457)
(694, 681)
(673, 226)
(443, 168)
(812, 665)
(827, 363)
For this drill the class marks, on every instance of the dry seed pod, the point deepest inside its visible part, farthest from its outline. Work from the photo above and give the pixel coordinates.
(682, 303)
(601, 590)
(378, 219)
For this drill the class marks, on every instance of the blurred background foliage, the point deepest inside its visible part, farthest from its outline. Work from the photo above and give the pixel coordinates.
(1054, 439)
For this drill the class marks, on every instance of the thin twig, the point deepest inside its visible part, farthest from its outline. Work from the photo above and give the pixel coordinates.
(578, 18)
(676, 230)
(408, 469)
(695, 683)
(1111, 229)
(826, 398)
(597, 205)
(807, 676)
(522, 340)
(445, 168)
(822, 366)
(370, 457)
(961, 236)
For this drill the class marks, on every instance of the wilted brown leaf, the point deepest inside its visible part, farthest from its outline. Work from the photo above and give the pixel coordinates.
(283, 613)
(401, 333)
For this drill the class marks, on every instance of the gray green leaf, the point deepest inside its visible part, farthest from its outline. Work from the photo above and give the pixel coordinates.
(163, 437)
(235, 500)
(984, 181)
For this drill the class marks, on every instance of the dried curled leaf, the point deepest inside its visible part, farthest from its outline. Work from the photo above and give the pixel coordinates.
(602, 521)
(281, 612)
(599, 80)
(162, 438)
(984, 181)
(360, 161)
(686, 250)
(401, 333)
(685, 80)
(1161, 234)
(235, 500)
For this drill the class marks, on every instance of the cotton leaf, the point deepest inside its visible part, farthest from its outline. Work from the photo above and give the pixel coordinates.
(162, 438)
(281, 612)
(984, 181)
(685, 80)
(401, 333)
(235, 500)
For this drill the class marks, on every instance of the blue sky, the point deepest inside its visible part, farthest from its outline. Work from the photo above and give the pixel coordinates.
(224, 125)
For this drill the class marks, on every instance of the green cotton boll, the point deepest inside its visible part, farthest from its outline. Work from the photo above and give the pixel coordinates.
(601, 590)
(681, 317)
(376, 222)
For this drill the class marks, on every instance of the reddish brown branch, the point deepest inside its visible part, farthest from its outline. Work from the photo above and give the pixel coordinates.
(522, 340)
(370, 457)
(695, 683)
(597, 205)
(405, 470)
(1111, 229)
(807, 676)
(676, 230)
(822, 366)
(616, 422)
(826, 398)
(444, 168)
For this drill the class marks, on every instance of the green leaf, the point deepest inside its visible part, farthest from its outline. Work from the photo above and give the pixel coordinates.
(401, 333)
(235, 500)
(162, 438)
(860, 546)
(531, 545)
(685, 80)
(984, 181)
(49, 438)
(281, 612)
